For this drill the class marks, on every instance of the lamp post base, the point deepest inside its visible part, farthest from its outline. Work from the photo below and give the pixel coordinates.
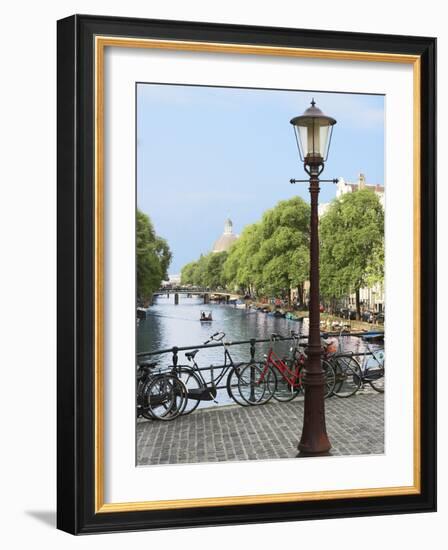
(314, 440)
(319, 448)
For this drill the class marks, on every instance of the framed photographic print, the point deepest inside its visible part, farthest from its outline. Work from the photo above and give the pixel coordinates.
(246, 228)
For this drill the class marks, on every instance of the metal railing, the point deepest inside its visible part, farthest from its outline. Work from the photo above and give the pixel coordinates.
(253, 341)
(176, 349)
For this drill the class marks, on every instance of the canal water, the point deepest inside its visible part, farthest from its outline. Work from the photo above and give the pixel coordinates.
(169, 325)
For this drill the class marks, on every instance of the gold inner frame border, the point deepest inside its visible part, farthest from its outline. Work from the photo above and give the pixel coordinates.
(100, 43)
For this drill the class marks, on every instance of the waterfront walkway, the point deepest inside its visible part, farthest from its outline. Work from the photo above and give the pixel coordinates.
(355, 427)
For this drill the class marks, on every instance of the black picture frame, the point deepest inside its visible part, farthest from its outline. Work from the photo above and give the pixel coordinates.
(76, 511)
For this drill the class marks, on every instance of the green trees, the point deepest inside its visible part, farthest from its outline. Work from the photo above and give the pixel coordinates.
(241, 269)
(283, 258)
(270, 257)
(153, 257)
(213, 276)
(205, 272)
(352, 245)
(189, 274)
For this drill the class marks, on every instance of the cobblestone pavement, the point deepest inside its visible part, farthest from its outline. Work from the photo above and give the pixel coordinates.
(355, 426)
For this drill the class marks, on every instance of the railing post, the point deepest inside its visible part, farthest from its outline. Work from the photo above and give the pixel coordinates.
(252, 369)
(252, 350)
(175, 357)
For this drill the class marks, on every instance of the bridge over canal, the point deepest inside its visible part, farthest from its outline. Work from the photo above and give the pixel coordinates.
(206, 293)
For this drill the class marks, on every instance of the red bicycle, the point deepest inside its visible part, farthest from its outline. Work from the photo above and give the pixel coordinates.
(288, 369)
(281, 377)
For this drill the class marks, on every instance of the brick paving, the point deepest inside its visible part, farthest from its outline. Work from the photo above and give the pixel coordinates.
(355, 426)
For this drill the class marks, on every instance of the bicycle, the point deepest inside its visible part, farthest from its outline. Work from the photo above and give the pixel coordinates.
(287, 372)
(160, 396)
(351, 375)
(199, 389)
(347, 380)
(142, 377)
(165, 396)
(289, 383)
(372, 374)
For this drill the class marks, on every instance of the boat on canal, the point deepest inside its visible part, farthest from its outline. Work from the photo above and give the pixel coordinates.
(206, 317)
(374, 336)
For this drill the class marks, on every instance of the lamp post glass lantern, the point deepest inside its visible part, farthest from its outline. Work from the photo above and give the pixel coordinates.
(313, 131)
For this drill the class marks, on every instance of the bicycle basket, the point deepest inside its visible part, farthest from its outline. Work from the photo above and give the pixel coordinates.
(331, 345)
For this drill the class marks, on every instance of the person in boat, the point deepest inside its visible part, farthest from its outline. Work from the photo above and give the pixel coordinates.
(205, 317)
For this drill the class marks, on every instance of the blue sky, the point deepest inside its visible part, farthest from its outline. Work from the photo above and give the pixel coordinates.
(205, 154)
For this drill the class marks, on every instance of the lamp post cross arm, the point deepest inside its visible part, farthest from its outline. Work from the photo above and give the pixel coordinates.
(335, 180)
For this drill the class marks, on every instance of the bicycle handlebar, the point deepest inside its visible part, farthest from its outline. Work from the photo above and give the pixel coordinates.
(213, 337)
(292, 333)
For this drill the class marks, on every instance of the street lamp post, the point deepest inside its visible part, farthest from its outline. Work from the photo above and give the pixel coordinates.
(313, 132)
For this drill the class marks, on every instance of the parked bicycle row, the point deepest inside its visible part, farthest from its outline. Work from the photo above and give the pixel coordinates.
(164, 393)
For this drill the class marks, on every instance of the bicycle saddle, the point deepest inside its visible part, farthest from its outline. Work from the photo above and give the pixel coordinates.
(190, 354)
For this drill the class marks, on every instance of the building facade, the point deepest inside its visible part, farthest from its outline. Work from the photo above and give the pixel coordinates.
(343, 187)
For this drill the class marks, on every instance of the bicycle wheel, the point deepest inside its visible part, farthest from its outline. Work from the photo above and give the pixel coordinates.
(257, 384)
(193, 383)
(141, 407)
(339, 363)
(348, 379)
(149, 393)
(330, 378)
(375, 377)
(142, 385)
(232, 384)
(164, 397)
(287, 391)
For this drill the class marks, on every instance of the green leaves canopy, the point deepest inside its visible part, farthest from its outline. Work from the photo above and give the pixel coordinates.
(283, 258)
(206, 272)
(241, 269)
(270, 256)
(352, 244)
(153, 257)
